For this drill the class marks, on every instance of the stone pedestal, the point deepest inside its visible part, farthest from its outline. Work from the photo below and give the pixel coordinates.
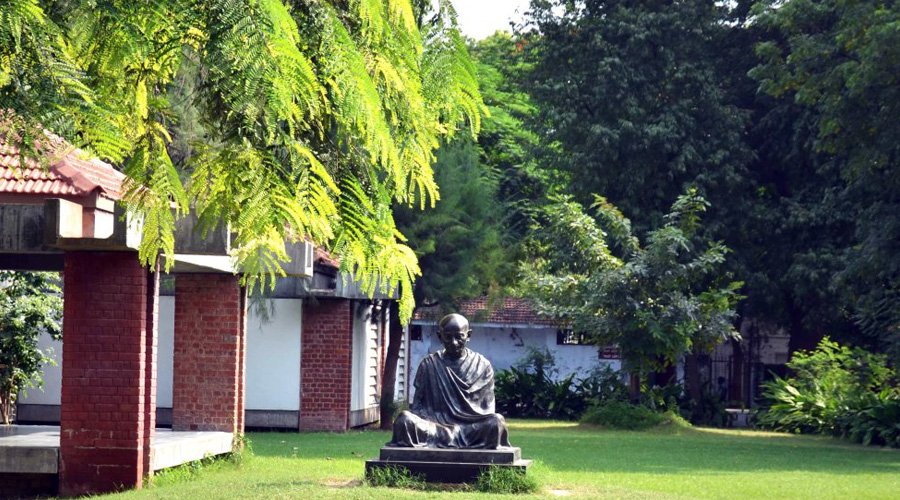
(448, 465)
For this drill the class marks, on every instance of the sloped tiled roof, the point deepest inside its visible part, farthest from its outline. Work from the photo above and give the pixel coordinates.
(509, 311)
(72, 174)
(322, 256)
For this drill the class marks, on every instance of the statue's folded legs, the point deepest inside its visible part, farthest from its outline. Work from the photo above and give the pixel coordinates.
(415, 431)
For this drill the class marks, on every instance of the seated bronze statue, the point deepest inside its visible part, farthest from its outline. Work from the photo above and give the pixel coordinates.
(453, 406)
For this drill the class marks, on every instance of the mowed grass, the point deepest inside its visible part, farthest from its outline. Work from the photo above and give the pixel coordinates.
(572, 461)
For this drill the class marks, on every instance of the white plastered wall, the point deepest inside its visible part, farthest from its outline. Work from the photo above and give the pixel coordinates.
(504, 346)
(273, 359)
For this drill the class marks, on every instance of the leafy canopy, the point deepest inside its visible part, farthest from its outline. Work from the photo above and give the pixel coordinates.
(629, 90)
(459, 242)
(656, 301)
(832, 67)
(316, 116)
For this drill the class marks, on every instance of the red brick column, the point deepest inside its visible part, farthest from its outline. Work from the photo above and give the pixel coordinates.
(210, 339)
(326, 345)
(104, 406)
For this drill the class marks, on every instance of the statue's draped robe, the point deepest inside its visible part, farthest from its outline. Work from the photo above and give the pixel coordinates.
(453, 406)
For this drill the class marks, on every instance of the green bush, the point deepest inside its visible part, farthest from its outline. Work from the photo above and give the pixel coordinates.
(878, 423)
(835, 390)
(601, 385)
(496, 479)
(709, 410)
(529, 390)
(622, 415)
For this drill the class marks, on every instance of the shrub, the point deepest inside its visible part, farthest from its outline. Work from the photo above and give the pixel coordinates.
(601, 385)
(835, 390)
(878, 423)
(622, 415)
(508, 480)
(529, 390)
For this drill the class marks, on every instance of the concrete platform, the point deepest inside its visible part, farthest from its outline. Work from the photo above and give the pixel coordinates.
(34, 449)
(175, 448)
(29, 449)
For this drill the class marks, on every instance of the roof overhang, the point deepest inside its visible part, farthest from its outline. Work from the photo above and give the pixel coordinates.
(34, 236)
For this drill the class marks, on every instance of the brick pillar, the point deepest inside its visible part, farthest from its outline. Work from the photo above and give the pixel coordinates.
(210, 341)
(103, 430)
(326, 345)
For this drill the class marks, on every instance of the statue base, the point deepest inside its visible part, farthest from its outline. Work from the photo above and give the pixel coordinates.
(448, 465)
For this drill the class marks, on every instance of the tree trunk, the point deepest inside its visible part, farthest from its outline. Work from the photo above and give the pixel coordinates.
(6, 398)
(634, 388)
(692, 378)
(802, 337)
(391, 358)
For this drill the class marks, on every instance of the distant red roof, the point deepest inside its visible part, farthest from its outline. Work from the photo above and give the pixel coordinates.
(323, 257)
(509, 310)
(72, 174)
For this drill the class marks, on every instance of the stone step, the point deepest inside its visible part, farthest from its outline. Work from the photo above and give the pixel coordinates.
(506, 455)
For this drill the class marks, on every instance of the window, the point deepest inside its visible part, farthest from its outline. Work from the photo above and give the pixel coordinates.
(565, 336)
(415, 332)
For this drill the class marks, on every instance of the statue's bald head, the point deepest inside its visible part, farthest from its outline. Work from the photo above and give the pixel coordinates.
(453, 331)
(454, 323)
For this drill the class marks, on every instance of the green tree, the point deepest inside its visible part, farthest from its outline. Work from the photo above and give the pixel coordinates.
(829, 72)
(657, 302)
(525, 162)
(631, 91)
(317, 116)
(459, 241)
(30, 304)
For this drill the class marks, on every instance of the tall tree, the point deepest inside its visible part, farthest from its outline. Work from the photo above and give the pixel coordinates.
(523, 158)
(318, 116)
(631, 92)
(829, 71)
(657, 302)
(458, 242)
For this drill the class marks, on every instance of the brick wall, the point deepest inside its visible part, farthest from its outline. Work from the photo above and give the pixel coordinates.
(325, 367)
(104, 381)
(208, 366)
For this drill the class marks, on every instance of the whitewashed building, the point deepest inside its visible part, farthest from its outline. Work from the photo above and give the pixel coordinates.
(315, 355)
(505, 333)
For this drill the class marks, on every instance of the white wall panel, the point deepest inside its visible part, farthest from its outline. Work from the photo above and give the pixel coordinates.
(273, 357)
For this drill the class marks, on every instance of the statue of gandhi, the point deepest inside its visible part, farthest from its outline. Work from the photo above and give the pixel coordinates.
(454, 402)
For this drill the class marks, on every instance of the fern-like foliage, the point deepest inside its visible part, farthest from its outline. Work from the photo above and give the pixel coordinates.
(372, 248)
(317, 115)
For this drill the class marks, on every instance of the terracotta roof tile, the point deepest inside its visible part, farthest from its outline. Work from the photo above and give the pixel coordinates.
(322, 256)
(72, 175)
(509, 310)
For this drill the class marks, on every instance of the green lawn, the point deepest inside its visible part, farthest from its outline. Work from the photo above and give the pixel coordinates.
(572, 461)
